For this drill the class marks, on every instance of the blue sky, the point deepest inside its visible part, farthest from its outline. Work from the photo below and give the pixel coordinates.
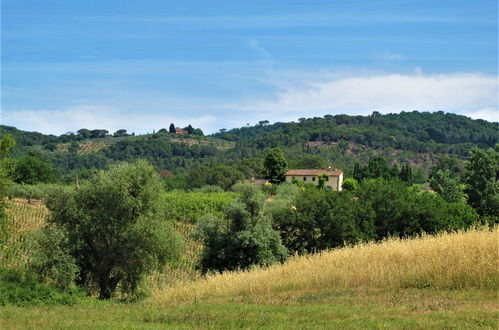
(140, 65)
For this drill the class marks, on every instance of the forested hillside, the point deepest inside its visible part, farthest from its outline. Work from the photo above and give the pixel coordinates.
(419, 139)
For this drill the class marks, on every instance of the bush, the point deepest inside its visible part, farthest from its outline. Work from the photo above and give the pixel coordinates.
(209, 189)
(242, 237)
(375, 210)
(38, 191)
(23, 289)
(50, 258)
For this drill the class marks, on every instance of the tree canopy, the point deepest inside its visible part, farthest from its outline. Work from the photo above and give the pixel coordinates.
(115, 224)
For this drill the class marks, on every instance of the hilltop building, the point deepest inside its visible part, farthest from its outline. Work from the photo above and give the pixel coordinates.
(181, 131)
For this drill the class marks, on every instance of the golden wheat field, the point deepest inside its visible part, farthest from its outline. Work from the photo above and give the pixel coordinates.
(461, 260)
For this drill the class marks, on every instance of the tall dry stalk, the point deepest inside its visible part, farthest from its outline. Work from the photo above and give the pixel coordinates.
(465, 259)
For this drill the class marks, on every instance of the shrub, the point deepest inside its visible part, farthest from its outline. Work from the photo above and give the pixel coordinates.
(50, 258)
(23, 289)
(242, 237)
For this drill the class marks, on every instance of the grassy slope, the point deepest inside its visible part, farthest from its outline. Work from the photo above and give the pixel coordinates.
(432, 282)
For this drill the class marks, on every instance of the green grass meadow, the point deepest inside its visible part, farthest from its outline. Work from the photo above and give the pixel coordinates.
(349, 309)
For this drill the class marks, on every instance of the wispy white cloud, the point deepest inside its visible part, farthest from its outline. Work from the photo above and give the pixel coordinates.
(253, 44)
(392, 57)
(490, 114)
(289, 96)
(463, 93)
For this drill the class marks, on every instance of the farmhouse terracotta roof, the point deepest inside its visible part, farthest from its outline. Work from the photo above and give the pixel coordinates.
(307, 172)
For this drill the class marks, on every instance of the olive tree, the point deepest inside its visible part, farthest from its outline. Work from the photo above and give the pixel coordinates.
(243, 237)
(115, 226)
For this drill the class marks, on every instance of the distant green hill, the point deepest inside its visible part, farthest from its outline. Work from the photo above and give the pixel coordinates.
(417, 138)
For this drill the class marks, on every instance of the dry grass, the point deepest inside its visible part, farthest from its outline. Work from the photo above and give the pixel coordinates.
(462, 260)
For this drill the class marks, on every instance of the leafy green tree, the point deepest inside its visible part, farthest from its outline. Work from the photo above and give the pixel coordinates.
(446, 163)
(50, 258)
(243, 237)
(406, 174)
(33, 169)
(115, 225)
(324, 219)
(358, 172)
(350, 184)
(98, 133)
(322, 181)
(189, 129)
(172, 128)
(311, 161)
(85, 133)
(252, 167)
(224, 176)
(447, 185)
(275, 166)
(198, 132)
(378, 168)
(481, 178)
(120, 132)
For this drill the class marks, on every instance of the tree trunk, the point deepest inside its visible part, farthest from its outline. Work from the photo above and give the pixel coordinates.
(107, 286)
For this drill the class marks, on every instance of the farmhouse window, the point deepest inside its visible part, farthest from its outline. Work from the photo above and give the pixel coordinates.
(304, 178)
(327, 178)
(313, 178)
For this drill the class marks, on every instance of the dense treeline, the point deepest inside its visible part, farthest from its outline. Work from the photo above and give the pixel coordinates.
(420, 132)
(414, 138)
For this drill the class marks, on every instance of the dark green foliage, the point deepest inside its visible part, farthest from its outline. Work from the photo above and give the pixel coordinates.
(98, 133)
(376, 209)
(189, 129)
(408, 211)
(172, 129)
(33, 169)
(24, 289)
(322, 220)
(310, 162)
(120, 132)
(275, 166)
(222, 176)
(115, 226)
(451, 164)
(242, 238)
(322, 181)
(252, 168)
(378, 168)
(482, 181)
(50, 258)
(405, 174)
(85, 133)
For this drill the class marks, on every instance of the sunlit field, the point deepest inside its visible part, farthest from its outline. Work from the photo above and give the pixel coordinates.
(461, 260)
(443, 281)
